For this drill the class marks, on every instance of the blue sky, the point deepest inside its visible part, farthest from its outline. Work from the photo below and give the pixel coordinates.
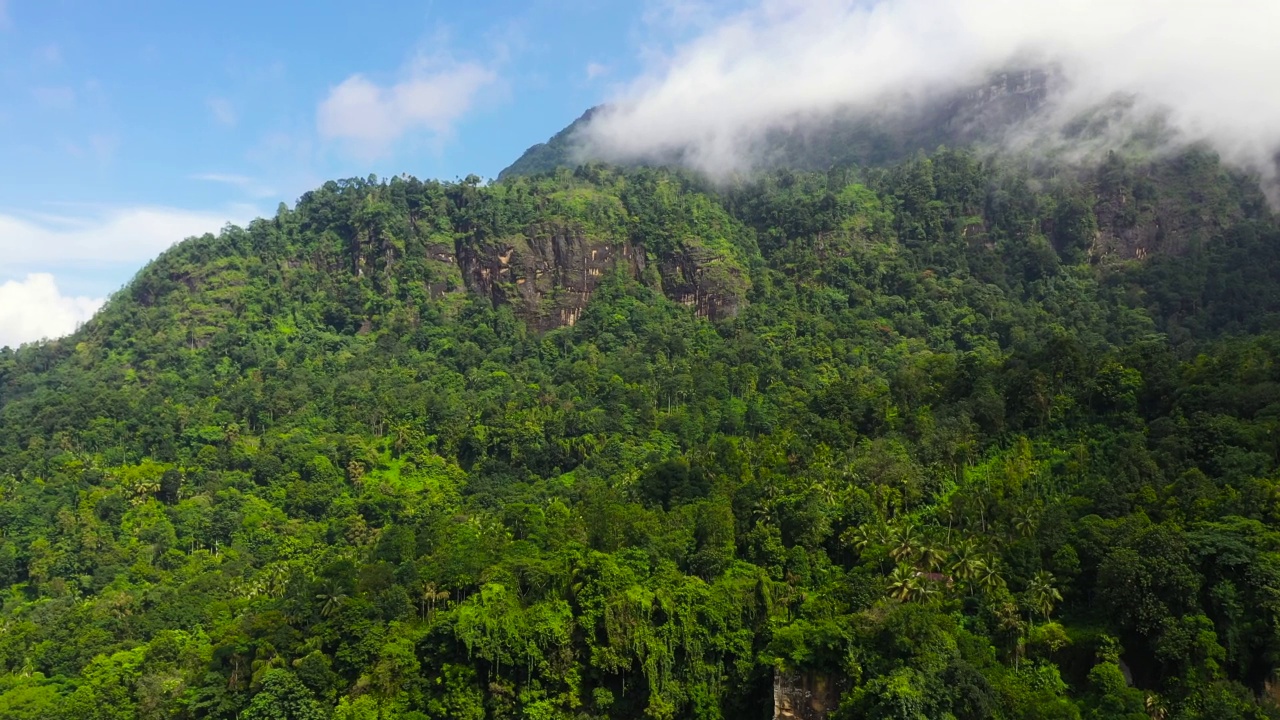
(125, 125)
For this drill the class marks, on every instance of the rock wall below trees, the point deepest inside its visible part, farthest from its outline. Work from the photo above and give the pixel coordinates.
(803, 696)
(549, 273)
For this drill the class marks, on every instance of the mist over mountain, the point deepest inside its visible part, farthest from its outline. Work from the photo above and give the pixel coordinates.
(799, 83)
(995, 113)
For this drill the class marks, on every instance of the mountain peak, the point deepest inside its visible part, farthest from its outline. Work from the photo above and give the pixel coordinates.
(889, 132)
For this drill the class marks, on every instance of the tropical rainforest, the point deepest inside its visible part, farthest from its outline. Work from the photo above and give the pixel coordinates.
(956, 437)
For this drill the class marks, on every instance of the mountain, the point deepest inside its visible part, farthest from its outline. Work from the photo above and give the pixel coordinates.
(851, 136)
(557, 152)
(951, 437)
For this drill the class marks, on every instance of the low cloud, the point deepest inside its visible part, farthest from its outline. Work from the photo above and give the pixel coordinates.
(100, 247)
(779, 63)
(371, 118)
(115, 235)
(34, 309)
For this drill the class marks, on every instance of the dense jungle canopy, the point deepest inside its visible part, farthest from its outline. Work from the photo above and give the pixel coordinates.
(966, 438)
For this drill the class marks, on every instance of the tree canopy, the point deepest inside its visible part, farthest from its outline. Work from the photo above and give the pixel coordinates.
(967, 439)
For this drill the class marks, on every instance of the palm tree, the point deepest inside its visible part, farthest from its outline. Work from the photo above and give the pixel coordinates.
(904, 583)
(965, 561)
(932, 557)
(949, 514)
(1042, 594)
(980, 501)
(402, 434)
(766, 510)
(989, 577)
(861, 538)
(1010, 623)
(926, 589)
(827, 492)
(1024, 523)
(430, 594)
(275, 579)
(332, 597)
(1157, 707)
(332, 603)
(868, 535)
(905, 545)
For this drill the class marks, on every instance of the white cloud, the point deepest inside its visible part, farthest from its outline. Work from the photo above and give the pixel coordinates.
(34, 308)
(1210, 63)
(223, 112)
(116, 235)
(95, 245)
(372, 118)
(595, 70)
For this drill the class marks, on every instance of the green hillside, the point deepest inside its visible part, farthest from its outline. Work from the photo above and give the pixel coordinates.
(556, 152)
(946, 439)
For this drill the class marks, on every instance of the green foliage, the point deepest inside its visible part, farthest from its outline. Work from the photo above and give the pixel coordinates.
(283, 697)
(935, 446)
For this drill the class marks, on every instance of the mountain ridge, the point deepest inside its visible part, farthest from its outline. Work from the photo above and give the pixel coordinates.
(844, 137)
(949, 435)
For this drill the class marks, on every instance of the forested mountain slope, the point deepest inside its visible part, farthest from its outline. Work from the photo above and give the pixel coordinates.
(953, 440)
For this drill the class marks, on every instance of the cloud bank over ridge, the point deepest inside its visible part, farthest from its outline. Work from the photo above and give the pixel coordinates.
(42, 250)
(781, 63)
(35, 308)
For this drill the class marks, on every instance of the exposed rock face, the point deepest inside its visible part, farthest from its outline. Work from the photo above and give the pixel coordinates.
(1123, 234)
(1167, 206)
(445, 256)
(990, 109)
(693, 279)
(549, 273)
(1271, 687)
(1131, 229)
(803, 696)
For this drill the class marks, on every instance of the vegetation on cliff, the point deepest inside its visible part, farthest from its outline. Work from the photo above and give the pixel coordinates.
(618, 444)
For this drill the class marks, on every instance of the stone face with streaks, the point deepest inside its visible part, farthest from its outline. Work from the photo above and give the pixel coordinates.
(803, 696)
(549, 273)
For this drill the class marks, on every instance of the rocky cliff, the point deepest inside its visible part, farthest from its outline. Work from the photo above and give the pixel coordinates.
(548, 273)
(803, 696)
(1165, 207)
